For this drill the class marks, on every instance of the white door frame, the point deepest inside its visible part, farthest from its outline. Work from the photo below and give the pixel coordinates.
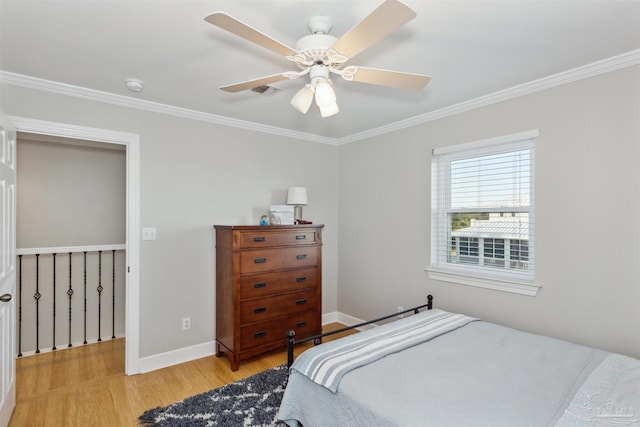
(132, 142)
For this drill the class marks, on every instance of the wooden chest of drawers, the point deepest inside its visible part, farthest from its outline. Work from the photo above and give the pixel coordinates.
(268, 281)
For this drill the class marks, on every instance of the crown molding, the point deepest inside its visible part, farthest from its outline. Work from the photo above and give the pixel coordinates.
(59, 88)
(607, 65)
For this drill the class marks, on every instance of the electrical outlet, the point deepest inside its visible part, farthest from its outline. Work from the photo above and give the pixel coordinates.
(186, 323)
(399, 310)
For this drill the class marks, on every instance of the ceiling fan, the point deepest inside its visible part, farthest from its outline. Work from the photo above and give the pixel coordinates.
(319, 55)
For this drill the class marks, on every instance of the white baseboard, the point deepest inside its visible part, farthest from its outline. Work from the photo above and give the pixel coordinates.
(187, 354)
(175, 357)
(347, 320)
(330, 317)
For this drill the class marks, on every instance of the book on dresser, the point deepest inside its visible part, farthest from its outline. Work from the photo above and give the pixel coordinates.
(268, 281)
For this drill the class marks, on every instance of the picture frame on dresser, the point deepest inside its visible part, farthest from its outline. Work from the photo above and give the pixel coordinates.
(268, 281)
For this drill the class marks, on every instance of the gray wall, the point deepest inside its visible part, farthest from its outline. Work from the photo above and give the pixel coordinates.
(69, 194)
(195, 175)
(587, 214)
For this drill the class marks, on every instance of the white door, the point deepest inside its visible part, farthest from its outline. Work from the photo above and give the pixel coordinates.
(7, 269)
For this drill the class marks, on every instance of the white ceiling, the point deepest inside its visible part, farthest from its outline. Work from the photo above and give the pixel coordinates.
(470, 48)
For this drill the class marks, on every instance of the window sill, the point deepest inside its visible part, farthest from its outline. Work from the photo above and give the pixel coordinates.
(483, 282)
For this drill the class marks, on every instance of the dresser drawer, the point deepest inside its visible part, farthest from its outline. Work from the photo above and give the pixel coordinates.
(265, 284)
(257, 310)
(305, 324)
(259, 260)
(266, 238)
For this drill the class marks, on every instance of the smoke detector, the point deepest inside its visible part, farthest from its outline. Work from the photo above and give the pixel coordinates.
(134, 85)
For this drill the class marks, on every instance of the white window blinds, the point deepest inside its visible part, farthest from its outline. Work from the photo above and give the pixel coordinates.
(482, 222)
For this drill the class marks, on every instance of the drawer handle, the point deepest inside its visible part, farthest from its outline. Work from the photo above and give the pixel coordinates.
(301, 279)
(260, 285)
(260, 334)
(303, 256)
(301, 324)
(259, 239)
(301, 237)
(260, 310)
(260, 260)
(301, 301)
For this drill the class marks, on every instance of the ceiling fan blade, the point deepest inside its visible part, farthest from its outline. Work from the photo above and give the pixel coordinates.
(397, 79)
(387, 18)
(250, 84)
(229, 23)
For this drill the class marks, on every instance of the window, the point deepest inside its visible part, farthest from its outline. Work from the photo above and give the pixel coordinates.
(469, 246)
(482, 219)
(493, 252)
(519, 251)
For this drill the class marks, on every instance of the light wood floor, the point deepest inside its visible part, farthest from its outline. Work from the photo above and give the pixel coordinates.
(86, 386)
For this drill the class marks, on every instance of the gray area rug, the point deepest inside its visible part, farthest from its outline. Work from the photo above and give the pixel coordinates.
(253, 401)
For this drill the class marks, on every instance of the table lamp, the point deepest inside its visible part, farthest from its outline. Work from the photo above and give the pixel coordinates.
(297, 196)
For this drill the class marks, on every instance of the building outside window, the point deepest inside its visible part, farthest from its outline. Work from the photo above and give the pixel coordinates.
(500, 242)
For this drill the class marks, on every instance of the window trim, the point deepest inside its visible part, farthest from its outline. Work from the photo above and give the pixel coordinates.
(464, 278)
(508, 281)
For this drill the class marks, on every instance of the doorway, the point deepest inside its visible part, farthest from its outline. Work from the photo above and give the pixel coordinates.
(132, 227)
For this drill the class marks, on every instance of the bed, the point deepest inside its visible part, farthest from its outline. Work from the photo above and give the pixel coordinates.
(436, 368)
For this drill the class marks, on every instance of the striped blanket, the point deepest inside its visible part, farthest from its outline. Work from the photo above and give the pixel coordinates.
(328, 363)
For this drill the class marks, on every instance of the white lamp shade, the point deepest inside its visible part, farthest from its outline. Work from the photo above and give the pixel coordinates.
(329, 110)
(325, 96)
(302, 100)
(297, 196)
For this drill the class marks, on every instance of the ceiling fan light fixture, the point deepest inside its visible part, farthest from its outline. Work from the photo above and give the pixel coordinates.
(325, 96)
(319, 54)
(330, 110)
(302, 100)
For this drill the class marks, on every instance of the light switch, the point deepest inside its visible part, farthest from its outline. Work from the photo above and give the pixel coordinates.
(149, 233)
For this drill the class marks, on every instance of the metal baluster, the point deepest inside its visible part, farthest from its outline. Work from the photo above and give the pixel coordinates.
(113, 294)
(20, 308)
(100, 288)
(37, 296)
(54, 302)
(70, 293)
(85, 297)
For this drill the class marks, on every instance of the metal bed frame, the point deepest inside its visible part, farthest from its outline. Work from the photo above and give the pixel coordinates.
(317, 339)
